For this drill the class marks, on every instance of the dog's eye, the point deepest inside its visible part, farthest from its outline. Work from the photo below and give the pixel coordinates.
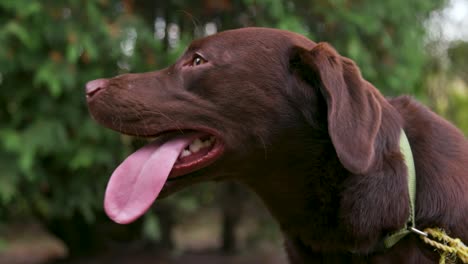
(198, 60)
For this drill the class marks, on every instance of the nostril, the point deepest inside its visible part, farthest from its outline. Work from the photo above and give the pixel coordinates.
(93, 87)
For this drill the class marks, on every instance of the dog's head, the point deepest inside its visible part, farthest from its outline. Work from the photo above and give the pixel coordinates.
(226, 101)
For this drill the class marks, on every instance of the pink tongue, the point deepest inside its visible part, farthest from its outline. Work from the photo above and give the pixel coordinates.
(136, 183)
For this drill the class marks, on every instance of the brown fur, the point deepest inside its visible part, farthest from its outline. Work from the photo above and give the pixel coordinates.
(304, 130)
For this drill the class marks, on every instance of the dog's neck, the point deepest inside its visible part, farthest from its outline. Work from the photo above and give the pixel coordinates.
(319, 203)
(304, 196)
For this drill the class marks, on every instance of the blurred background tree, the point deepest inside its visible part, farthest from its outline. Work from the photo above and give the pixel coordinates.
(55, 160)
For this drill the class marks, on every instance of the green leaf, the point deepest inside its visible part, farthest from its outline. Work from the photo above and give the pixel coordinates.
(17, 30)
(47, 75)
(10, 139)
(73, 53)
(26, 163)
(8, 180)
(83, 158)
(151, 228)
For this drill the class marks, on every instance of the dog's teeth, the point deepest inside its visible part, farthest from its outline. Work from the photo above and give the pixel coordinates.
(185, 153)
(196, 145)
(207, 143)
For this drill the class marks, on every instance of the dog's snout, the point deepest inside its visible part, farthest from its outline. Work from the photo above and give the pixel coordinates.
(93, 87)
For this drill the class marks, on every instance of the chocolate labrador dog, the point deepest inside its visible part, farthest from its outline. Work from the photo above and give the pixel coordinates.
(295, 122)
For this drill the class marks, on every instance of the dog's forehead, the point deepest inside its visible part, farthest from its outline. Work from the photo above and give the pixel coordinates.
(252, 38)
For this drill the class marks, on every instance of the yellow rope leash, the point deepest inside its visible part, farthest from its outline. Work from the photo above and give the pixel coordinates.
(448, 247)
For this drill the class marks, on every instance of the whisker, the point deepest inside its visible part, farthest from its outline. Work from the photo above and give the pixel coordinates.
(140, 118)
(264, 146)
(196, 23)
(175, 122)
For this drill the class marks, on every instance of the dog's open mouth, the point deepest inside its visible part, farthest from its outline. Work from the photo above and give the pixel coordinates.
(137, 182)
(203, 150)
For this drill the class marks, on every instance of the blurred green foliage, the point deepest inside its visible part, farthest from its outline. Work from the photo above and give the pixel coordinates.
(447, 84)
(458, 54)
(385, 38)
(55, 160)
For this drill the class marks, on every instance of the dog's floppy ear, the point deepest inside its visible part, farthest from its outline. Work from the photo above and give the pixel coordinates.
(353, 108)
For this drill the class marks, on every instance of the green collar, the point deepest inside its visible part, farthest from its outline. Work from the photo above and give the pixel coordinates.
(409, 227)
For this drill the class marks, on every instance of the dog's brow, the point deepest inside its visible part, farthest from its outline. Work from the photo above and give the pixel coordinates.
(195, 45)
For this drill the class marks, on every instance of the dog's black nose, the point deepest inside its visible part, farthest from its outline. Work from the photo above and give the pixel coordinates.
(93, 87)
